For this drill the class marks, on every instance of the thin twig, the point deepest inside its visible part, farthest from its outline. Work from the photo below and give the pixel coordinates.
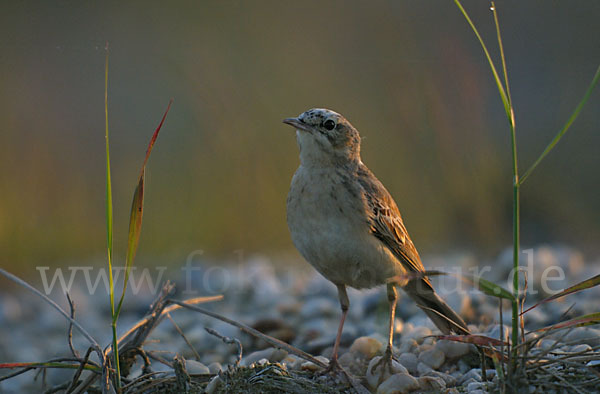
(170, 308)
(249, 330)
(563, 380)
(75, 379)
(275, 342)
(95, 345)
(154, 356)
(180, 332)
(21, 282)
(229, 341)
(70, 330)
(83, 386)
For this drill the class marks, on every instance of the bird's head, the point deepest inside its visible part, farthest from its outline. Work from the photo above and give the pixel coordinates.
(325, 138)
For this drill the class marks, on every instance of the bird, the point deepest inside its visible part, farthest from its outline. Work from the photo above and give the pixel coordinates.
(346, 224)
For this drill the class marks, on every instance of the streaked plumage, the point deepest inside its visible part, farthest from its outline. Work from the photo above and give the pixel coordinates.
(347, 225)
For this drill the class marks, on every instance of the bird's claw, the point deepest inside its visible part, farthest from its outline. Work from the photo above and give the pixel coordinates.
(333, 366)
(385, 361)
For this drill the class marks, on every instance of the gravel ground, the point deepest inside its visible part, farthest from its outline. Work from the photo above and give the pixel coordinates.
(301, 308)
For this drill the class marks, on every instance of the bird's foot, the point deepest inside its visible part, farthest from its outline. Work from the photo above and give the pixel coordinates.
(385, 362)
(333, 367)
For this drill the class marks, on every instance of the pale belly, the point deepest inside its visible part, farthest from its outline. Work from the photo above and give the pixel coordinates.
(329, 227)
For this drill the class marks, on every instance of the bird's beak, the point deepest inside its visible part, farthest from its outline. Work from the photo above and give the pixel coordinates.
(297, 123)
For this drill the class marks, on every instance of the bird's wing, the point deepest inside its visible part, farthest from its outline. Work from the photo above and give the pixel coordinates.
(386, 222)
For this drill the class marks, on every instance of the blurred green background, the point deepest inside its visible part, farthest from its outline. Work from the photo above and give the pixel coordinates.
(410, 75)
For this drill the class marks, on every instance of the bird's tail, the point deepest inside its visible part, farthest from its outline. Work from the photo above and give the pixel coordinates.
(436, 309)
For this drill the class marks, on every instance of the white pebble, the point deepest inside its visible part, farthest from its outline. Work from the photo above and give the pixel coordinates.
(408, 345)
(194, 367)
(433, 358)
(310, 366)
(431, 383)
(418, 334)
(474, 374)
(423, 368)
(590, 336)
(410, 361)
(584, 347)
(399, 383)
(453, 349)
(449, 380)
(215, 368)
(213, 385)
(474, 386)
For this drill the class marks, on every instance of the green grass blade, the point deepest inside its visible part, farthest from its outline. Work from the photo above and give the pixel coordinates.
(109, 230)
(586, 284)
(477, 282)
(503, 95)
(502, 57)
(516, 195)
(109, 206)
(567, 125)
(488, 287)
(137, 211)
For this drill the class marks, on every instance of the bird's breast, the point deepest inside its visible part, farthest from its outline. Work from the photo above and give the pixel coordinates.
(329, 225)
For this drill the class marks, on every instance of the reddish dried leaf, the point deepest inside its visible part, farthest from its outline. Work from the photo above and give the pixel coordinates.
(137, 211)
(586, 284)
(480, 340)
(585, 320)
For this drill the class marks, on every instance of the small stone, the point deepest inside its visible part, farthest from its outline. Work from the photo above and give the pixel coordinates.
(474, 374)
(255, 356)
(312, 367)
(297, 364)
(399, 383)
(423, 368)
(431, 383)
(474, 386)
(347, 359)
(194, 367)
(319, 306)
(410, 361)
(398, 326)
(496, 329)
(373, 378)
(407, 328)
(213, 385)
(581, 348)
(449, 380)
(215, 368)
(271, 355)
(418, 334)
(289, 360)
(547, 344)
(368, 347)
(433, 358)
(408, 345)
(453, 349)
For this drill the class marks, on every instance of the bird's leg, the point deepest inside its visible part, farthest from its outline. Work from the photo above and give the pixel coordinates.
(345, 304)
(388, 355)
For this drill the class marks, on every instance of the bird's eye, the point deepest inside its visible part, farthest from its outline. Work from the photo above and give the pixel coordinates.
(329, 124)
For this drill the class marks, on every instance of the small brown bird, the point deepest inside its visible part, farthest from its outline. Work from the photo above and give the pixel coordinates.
(346, 224)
